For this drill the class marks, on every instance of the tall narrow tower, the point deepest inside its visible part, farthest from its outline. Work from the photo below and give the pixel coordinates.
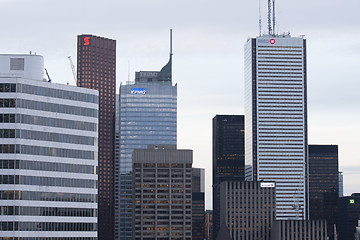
(276, 119)
(96, 62)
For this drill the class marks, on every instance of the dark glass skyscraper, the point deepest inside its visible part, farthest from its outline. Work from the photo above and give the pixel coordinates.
(96, 63)
(228, 156)
(323, 184)
(349, 214)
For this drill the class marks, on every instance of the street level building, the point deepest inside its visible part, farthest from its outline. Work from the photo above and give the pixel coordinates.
(324, 184)
(299, 229)
(349, 214)
(147, 116)
(96, 63)
(228, 156)
(48, 154)
(248, 209)
(162, 193)
(276, 119)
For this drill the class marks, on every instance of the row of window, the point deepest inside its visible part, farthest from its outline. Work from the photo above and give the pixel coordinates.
(47, 151)
(48, 196)
(7, 102)
(48, 211)
(47, 136)
(47, 166)
(56, 93)
(47, 181)
(49, 107)
(54, 107)
(47, 121)
(7, 87)
(47, 226)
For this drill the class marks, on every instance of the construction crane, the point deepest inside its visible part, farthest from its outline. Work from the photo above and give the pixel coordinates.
(47, 74)
(73, 69)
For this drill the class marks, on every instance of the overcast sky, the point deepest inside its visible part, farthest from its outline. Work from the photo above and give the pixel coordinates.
(209, 37)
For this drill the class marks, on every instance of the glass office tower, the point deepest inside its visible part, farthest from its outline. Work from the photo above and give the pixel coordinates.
(324, 184)
(148, 116)
(48, 155)
(228, 157)
(276, 119)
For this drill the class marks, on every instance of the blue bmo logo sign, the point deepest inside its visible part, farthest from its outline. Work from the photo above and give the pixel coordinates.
(138, 91)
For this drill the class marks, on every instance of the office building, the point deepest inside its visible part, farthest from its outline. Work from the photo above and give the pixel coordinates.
(248, 209)
(96, 63)
(228, 156)
(209, 225)
(324, 184)
(299, 229)
(276, 119)
(349, 214)
(148, 116)
(48, 154)
(162, 193)
(198, 203)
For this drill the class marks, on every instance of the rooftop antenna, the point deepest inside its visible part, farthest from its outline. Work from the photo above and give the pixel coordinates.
(271, 17)
(171, 52)
(260, 18)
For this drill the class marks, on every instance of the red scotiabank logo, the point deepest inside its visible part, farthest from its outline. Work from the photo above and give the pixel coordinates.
(272, 41)
(86, 41)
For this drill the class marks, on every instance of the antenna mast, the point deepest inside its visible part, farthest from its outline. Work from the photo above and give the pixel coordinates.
(271, 17)
(259, 17)
(171, 52)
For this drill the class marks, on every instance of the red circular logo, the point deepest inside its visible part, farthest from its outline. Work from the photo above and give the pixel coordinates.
(272, 41)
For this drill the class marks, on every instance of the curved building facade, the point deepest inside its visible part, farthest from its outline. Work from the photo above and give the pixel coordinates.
(48, 155)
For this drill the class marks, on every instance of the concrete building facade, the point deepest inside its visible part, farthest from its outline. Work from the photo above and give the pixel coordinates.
(248, 209)
(48, 155)
(162, 196)
(299, 229)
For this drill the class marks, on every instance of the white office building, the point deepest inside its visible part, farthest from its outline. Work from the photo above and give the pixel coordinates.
(276, 119)
(48, 155)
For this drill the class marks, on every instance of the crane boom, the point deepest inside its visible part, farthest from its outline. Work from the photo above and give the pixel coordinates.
(73, 69)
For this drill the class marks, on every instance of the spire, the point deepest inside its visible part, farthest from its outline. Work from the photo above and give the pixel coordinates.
(165, 75)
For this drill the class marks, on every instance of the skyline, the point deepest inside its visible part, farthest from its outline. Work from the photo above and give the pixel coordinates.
(208, 59)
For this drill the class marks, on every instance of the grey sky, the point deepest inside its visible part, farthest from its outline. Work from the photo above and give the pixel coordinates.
(208, 44)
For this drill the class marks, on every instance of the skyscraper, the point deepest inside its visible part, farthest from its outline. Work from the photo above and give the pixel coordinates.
(228, 157)
(48, 154)
(349, 215)
(148, 116)
(96, 64)
(324, 184)
(276, 119)
(162, 183)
